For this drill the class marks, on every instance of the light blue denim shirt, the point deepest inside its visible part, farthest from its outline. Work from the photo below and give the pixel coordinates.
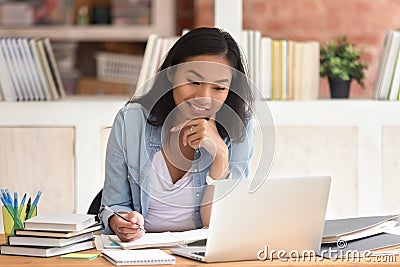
(130, 150)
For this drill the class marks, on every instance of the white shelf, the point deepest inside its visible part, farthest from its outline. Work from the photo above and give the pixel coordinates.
(82, 33)
(319, 112)
(329, 112)
(163, 23)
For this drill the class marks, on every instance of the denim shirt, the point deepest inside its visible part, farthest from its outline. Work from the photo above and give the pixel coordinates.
(130, 150)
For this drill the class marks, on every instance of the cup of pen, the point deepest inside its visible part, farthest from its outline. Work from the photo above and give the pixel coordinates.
(14, 218)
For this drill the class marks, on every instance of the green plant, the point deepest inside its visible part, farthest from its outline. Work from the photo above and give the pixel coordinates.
(339, 59)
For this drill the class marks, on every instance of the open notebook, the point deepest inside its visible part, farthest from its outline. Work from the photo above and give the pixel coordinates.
(138, 257)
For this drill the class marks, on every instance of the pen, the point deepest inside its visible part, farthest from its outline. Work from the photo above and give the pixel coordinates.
(22, 204)
(8, 196)
(122, 217)
(28, 208)
(4, 198)
(34, 204)
(15, 205)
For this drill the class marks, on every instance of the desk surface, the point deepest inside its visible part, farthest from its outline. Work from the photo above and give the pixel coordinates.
(17, 261)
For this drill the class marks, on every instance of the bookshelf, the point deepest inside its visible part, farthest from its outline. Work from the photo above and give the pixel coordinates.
(77, 45)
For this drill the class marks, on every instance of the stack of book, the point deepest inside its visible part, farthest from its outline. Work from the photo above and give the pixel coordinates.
(377, 235)
(281, 69)
(49, 235)
(29, 70)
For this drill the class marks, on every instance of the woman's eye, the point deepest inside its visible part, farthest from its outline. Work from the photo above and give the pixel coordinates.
(193, 82)
(220, 88)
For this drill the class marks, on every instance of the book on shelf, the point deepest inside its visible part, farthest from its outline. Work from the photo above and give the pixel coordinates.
(64, 234)
(138, 257)
(8, 90)
(19, 69)
(39, 66)
(265, 68)
(60, 222)
(53, 67)
(29, 70)
(47, 70)
(17, 240)
(276, 69)
(23, 46)
(10, 87)
(156, 50)
(387, 80)
(45, 251)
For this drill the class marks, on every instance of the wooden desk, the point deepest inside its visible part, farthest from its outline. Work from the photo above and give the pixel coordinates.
(19, 261)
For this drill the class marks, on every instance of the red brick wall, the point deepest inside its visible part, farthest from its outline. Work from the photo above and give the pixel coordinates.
(184, 15)
(364, 22)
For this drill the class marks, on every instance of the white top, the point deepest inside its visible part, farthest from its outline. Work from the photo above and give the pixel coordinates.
(170, 205)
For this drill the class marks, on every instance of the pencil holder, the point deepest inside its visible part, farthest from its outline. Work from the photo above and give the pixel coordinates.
(10, 224)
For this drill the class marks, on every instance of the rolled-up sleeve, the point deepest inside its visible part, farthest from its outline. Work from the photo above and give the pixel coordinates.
(116, 190)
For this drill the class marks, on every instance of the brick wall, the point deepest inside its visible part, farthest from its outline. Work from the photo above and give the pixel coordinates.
(364, 22)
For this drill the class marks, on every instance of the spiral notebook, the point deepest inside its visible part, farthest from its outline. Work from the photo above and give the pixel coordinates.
(138, 257)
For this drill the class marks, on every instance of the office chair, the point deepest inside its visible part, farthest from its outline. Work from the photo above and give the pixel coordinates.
(95, 205)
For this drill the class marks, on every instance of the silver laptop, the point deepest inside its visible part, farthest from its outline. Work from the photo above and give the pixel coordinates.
(283, 214)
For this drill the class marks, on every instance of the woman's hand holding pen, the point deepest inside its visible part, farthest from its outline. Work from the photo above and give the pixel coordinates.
(128, 231)
(203, 132)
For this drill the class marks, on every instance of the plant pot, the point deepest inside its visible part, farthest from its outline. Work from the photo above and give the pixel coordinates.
(339, 88)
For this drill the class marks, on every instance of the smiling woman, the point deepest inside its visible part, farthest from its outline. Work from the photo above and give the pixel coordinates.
(168, 147)
(204, 87)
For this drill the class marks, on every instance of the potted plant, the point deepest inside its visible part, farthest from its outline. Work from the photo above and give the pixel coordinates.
(340, 62)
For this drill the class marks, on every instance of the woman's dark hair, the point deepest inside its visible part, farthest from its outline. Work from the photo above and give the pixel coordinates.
(203, 41)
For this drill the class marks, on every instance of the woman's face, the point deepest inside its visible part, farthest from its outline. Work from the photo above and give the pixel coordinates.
(201, 85)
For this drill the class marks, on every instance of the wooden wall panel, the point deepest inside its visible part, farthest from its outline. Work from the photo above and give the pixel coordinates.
(390, 197)
(320, 151)
(33, 159)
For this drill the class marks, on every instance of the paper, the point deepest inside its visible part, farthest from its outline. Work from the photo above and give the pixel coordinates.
(394, 230)
(381, 228)
(150, 240)
(192, 235)
(165, 239)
